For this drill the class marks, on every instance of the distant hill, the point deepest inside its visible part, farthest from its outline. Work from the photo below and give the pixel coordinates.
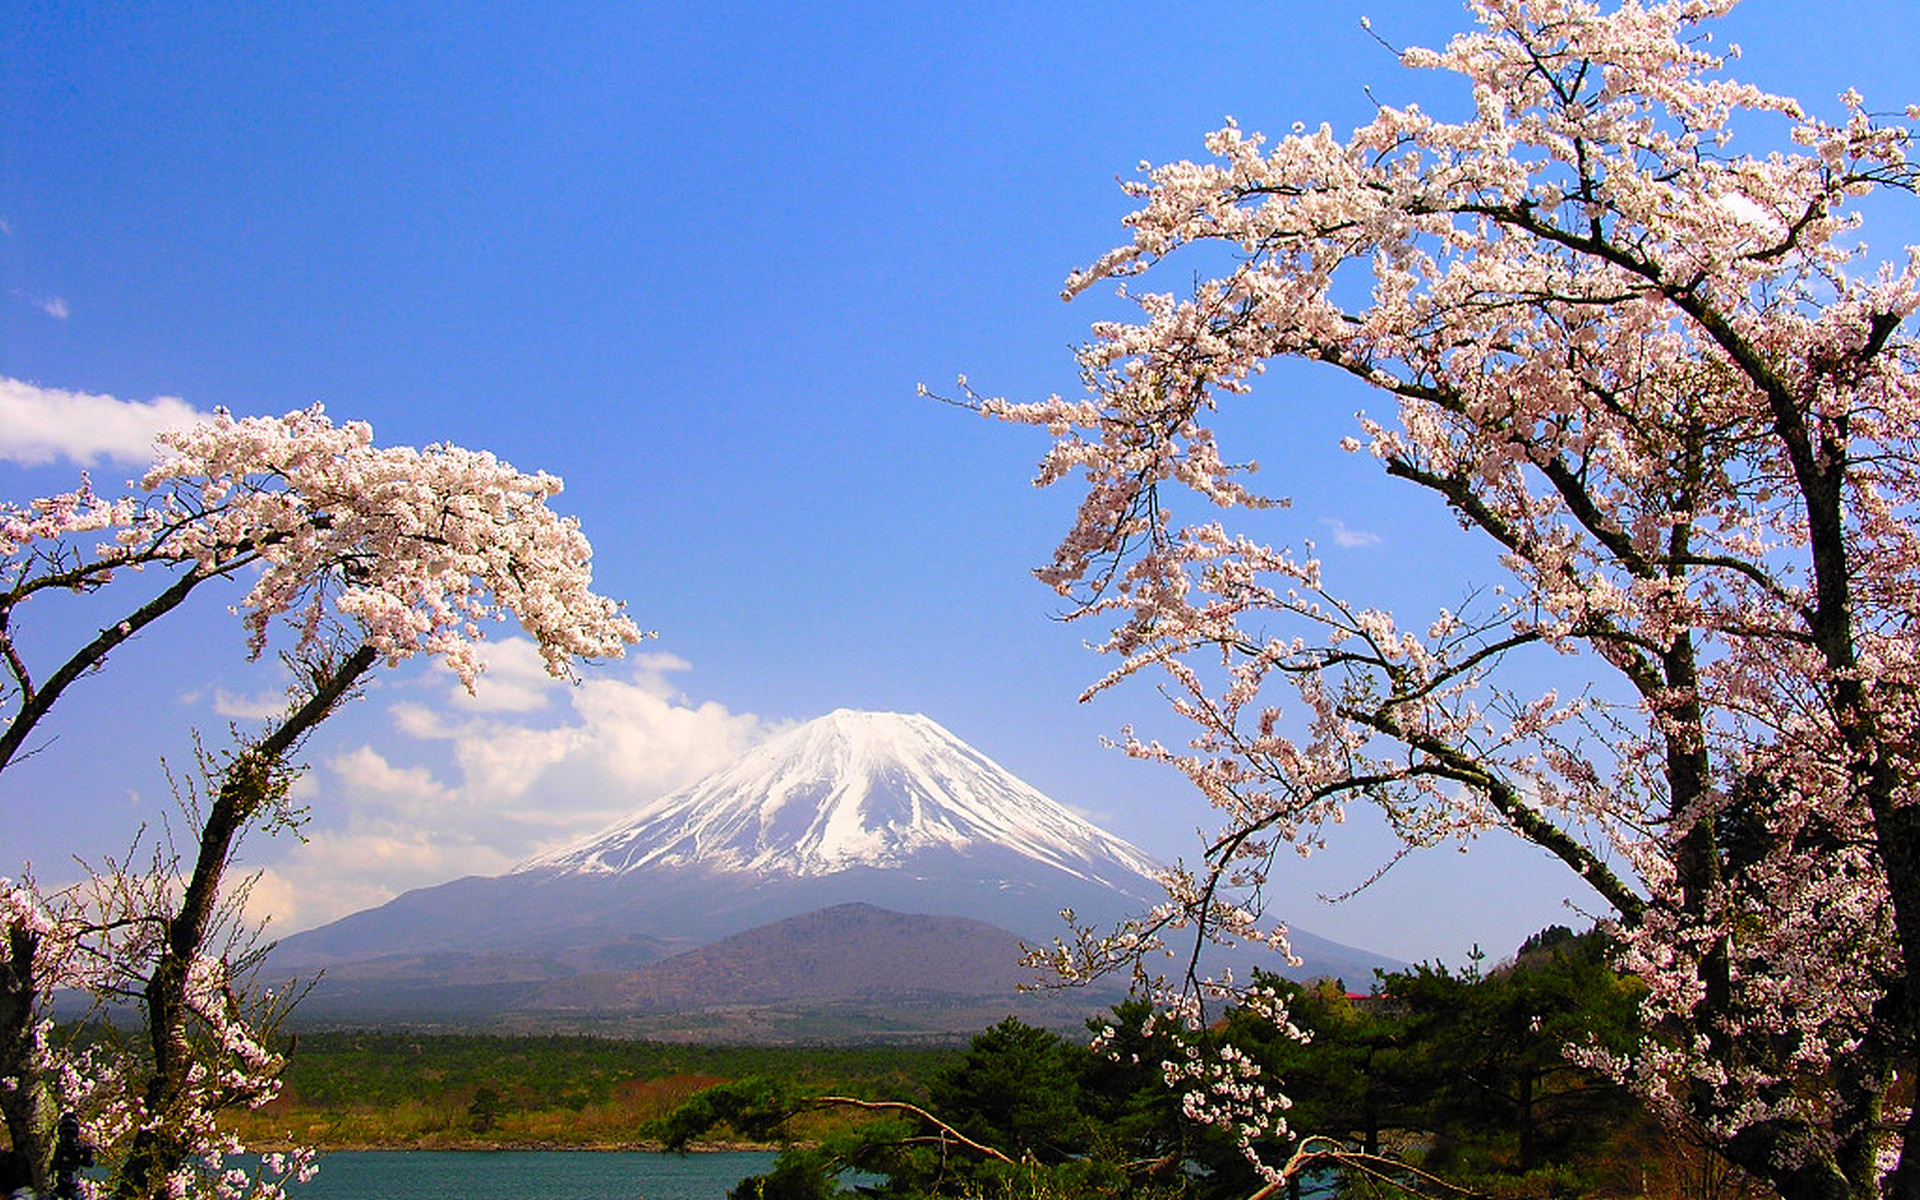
(867, 972)
(850, 952)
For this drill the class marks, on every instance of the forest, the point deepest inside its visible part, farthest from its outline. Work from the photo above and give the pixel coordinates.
(1470, 1074)
(386, 1089)
(1432, 1074)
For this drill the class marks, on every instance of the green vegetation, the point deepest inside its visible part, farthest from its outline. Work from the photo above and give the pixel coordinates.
(1461, 1075)
(417, 1091)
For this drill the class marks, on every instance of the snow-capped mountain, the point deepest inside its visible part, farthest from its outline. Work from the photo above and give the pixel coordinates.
(853, 790)
(853, 812)
(854, 807)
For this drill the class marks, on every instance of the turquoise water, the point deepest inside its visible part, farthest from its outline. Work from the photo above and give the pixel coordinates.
(511, 1175)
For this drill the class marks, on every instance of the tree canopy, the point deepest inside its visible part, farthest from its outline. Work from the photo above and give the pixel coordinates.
(1432, 1071)
(362, 554)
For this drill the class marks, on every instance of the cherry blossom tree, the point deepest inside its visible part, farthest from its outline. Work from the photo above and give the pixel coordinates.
(363, 554)
(1655, 368)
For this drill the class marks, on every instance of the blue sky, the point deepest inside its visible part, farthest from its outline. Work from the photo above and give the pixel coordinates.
(696, 259)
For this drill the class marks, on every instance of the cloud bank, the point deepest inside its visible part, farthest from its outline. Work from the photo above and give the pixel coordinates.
(39, 425)
(471, 785)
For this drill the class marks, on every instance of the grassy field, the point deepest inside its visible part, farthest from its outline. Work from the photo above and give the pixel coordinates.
(395, 1090)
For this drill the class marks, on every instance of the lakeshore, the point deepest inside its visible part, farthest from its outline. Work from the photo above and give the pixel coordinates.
(508, 1175)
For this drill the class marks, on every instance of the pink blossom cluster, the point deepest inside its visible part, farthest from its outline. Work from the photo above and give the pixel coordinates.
(415, 549)
(421, 545)
(1219, 1084)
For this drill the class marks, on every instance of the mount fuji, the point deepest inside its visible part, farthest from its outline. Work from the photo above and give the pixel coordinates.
(848, 814)
(856, 790)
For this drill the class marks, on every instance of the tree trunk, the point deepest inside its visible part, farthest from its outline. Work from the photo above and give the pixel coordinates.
(248, 785)
(1528, 1151)
(29, 1107)
(1797, 1160)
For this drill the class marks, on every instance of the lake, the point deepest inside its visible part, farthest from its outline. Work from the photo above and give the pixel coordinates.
(516, 1175)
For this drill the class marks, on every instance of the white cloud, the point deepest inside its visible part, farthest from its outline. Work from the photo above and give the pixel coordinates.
(500, 762)
(648, 739)
(402, 829)
(515, 679)
(366, 773)
(246, 708)
(513, 778)
(53, 306)
(1745, 212)
(337, 873)
(264, 705)
(39, 425)
(634, 738)
(1350, 538)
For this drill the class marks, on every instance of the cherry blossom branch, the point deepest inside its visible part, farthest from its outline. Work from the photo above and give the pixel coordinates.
(1637, 364)
(36, 703)
(391, 551)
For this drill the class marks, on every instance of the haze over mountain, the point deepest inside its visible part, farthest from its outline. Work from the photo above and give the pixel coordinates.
(877, 810)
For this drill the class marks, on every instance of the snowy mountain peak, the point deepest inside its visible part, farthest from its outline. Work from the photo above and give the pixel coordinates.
(852, 789)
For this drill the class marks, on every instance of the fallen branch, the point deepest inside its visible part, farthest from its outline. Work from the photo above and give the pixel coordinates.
(1387, 1170)
(923, 1114)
